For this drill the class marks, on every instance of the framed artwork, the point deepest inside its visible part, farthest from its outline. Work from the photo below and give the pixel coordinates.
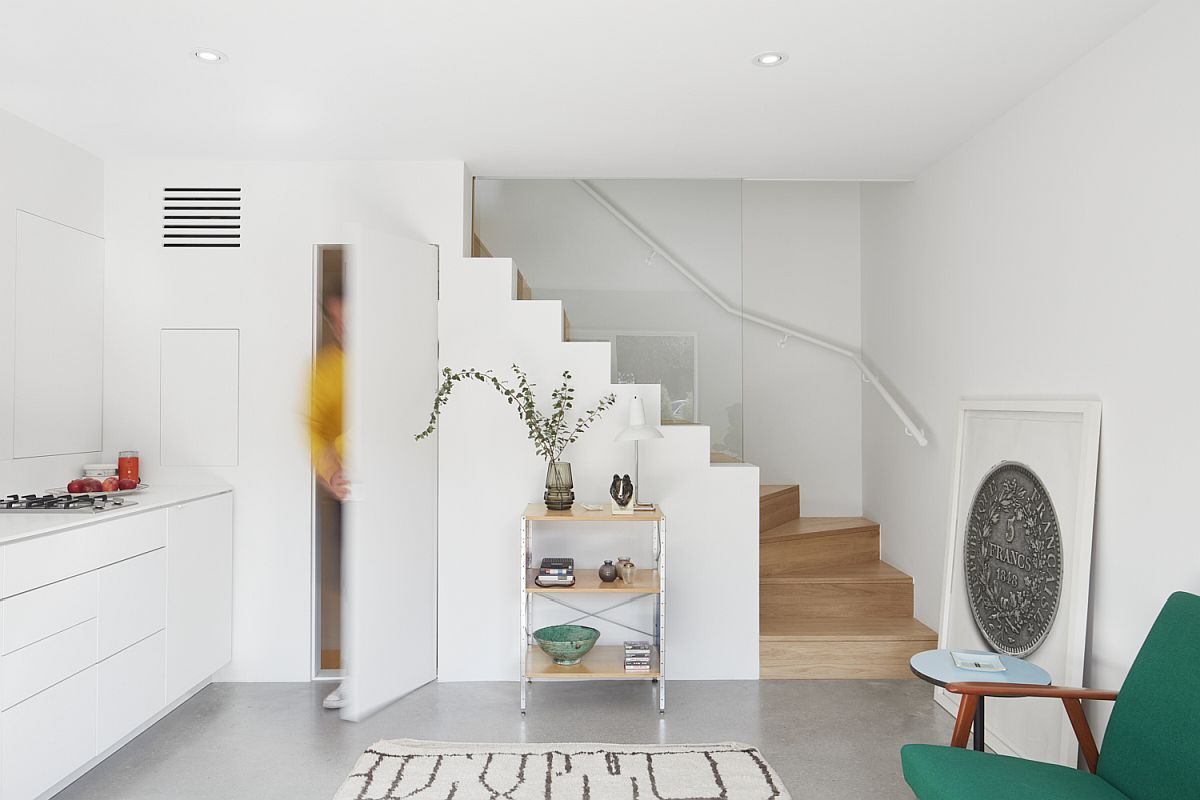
(666, 358)
(1019, 554)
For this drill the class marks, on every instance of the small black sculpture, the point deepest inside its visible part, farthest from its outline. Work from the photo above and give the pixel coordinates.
(621, 490)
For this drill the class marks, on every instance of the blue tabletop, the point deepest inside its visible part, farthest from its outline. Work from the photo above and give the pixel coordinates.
(937, 667)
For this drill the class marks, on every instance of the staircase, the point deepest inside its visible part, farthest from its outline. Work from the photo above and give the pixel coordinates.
(828, 607)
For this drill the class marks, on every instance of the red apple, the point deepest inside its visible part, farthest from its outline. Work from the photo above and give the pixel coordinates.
(92, 485)
(77, 486)
(125, 484)
(110, 484)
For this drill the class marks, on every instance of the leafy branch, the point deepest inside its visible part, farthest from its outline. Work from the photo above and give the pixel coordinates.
(550, 434)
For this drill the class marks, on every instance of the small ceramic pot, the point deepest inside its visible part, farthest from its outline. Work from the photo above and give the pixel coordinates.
(608, 573)
(627, 570)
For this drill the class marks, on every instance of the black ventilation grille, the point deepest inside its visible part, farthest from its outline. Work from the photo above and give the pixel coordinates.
(202, 217)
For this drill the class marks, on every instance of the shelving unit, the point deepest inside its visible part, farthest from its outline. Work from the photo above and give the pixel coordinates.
(604, 661)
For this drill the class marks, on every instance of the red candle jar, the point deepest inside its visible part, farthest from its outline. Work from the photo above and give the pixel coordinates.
(127, 465)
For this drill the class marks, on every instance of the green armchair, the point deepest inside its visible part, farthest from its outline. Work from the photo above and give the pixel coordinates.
(1151, 746)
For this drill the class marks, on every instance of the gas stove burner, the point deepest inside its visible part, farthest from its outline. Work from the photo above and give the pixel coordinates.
(52, 501)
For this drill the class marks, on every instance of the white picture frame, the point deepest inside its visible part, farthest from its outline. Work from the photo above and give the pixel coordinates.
(1060, 441)
(693, 410)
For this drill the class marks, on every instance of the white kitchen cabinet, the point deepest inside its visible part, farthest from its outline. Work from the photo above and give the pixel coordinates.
(131, 688)
(133, 600)
(34, 615)
(40, 561)
(48, 736)
(42, 664)
(199, 591)
(89, 611)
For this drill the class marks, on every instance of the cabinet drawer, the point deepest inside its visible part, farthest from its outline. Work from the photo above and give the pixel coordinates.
(48, 737)
(133, 600)
(31, 669)
(36, 562)
(131, 688)
(34, 615)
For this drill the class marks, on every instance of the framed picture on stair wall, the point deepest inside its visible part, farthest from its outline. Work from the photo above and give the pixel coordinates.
(1019, 553)
(670, 359)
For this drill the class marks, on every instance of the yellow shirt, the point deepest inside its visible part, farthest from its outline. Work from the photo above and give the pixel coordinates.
(325, 408)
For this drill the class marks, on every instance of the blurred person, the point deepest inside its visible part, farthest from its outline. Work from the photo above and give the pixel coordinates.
(326, 424)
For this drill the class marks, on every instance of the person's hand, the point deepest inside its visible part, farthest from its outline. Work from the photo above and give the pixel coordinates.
(339, 486)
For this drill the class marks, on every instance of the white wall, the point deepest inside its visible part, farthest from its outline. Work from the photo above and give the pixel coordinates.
(787, 250)
(43, 175)
(264, 289)
(800, 250)
(1054, 254)
(488, 471)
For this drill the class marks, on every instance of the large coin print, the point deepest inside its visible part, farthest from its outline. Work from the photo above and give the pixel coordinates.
(1013, 559)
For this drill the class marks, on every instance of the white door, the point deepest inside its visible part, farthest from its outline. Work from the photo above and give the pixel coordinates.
(389, 567)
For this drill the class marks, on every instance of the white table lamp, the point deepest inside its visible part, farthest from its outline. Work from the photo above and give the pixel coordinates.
(637, 431)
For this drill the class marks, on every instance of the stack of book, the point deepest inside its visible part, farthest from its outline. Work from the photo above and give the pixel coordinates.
(556, 572)
(637, 656)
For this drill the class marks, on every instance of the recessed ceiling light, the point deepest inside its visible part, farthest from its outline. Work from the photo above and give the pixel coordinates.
(210, 56)
(772, 59)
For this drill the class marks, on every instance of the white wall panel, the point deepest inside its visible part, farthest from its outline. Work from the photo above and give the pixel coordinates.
(47, 177)
(199, 391)
(59, 328)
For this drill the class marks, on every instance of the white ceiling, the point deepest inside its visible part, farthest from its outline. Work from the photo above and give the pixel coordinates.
(873, 88)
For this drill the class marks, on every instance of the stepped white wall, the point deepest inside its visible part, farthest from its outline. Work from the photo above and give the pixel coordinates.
(1054, 254)
(488, 471)
(788, 250)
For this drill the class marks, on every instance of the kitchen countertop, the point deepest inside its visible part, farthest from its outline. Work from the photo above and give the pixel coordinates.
(16, 525)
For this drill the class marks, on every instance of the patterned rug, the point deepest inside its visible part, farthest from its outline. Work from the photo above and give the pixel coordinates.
(407, 768)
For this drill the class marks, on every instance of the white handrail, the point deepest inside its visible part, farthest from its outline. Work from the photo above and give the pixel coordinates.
(870, 377)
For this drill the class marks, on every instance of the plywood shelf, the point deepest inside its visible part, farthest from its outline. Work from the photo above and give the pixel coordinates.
(646, 583)
(537, 512)
(604, 661)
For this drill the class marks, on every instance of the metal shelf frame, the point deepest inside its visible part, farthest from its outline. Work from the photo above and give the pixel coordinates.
(657, 519)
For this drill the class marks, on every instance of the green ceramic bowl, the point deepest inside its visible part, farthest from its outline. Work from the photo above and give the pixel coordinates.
(566, 644)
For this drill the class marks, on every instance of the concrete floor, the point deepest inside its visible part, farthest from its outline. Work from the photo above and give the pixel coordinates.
(826, 739)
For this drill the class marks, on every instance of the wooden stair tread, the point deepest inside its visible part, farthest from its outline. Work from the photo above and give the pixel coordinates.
(818, 526)
(866, 572)
(768, 489)
(834, 629)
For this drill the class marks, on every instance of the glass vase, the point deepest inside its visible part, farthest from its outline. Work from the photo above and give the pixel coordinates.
(559, 486)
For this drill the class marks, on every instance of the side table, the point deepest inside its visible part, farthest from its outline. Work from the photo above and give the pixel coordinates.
(937, 667)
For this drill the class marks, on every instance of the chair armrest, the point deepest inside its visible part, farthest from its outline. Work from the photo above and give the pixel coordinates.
(1029, 690)
(973, 694)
